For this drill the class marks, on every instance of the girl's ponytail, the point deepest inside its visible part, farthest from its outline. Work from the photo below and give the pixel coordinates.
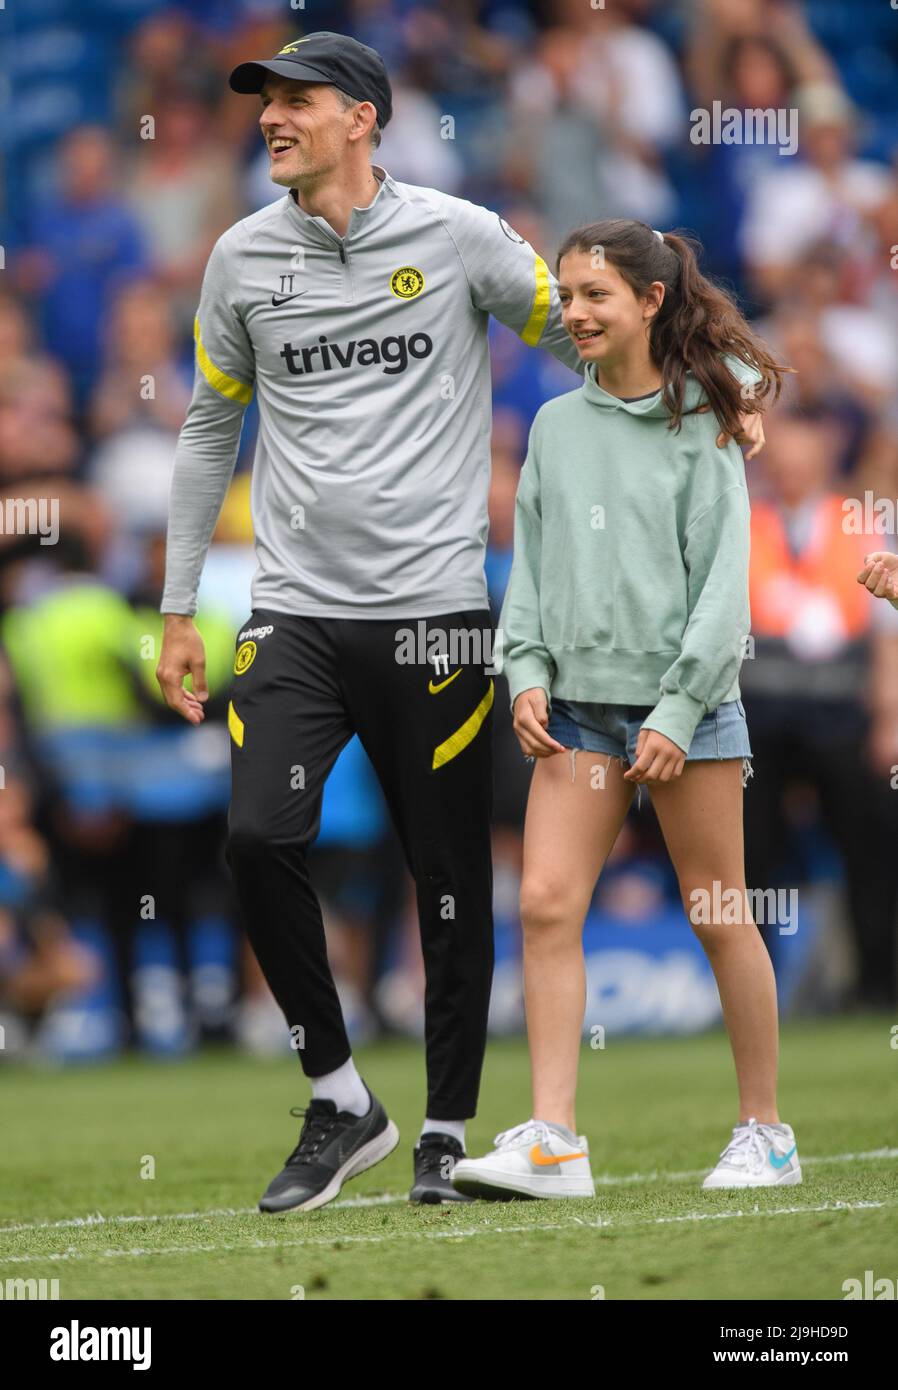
(696, 325)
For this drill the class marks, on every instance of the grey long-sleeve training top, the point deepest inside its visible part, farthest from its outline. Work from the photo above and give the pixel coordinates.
(370, 359)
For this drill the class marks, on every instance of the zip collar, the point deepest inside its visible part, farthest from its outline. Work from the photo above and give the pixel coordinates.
(360, 219)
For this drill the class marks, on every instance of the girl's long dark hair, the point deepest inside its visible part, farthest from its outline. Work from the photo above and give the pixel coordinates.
(696, 324)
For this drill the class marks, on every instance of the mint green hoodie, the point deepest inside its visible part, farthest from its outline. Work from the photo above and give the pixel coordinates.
(629, 583)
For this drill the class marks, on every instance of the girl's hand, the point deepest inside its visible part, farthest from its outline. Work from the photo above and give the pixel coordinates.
(880, 575)
(658, 759)
(531, 717)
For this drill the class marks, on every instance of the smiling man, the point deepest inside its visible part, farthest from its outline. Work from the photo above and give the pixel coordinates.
(357, 309)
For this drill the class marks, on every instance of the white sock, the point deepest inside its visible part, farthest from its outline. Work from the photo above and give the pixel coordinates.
(454, 1127)
(344, 1087)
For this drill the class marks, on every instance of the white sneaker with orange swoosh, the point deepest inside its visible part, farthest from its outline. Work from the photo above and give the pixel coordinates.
(534, 1159)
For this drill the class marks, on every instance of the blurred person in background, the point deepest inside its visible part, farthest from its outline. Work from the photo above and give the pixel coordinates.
(38, 439)
(68, 643)
(126, 809)
(83, 244)
(39, 453)
(821, 692)
(718, 29)
(186, 985)
(880, 292)
(134, 415)
(166, 48)
(17, 338)
(450, 49)
(142, 381)
(745, 56)
(844, 348)
(590, 115)
(413, 147)
(182, 189)
(750, 72)
(827, 295)
(824, 191)
(818, 390)
(40, 962)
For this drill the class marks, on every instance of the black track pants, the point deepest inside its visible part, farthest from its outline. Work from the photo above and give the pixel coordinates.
(300, 691)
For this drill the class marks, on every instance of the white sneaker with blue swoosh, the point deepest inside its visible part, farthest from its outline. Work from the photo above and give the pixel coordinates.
(534, 1159)
(757, 1156)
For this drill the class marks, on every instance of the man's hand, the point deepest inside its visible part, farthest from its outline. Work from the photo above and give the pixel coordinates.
(183, 654)
(751, 432)
(880, 575)
(531, 717)
(658, 759)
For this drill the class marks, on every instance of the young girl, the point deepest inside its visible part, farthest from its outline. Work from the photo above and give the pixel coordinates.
(624, 627)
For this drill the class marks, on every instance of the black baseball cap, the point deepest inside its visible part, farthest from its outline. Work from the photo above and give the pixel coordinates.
(325, 57)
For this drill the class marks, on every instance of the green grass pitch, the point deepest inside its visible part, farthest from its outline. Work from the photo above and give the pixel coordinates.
(656, 1111)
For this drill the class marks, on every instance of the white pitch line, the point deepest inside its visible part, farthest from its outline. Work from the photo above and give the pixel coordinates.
(389, 1198)
(615, 1179)
(773, 1211)
(98, 1219)
(601, 1223)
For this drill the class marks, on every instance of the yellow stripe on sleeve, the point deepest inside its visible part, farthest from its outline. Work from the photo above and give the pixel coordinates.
(222, 383)
(235, 725)
(533, 329)
(454, 744)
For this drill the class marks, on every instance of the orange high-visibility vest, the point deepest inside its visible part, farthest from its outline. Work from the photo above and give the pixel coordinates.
(819, 586)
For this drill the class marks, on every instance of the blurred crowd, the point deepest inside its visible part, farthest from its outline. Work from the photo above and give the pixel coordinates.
(126, 157)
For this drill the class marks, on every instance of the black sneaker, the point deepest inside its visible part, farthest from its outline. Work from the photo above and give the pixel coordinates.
(333, 1147)
(435, 1157)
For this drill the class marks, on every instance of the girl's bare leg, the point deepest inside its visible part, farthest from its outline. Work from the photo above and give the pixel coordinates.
(700, 814)
(570, 830)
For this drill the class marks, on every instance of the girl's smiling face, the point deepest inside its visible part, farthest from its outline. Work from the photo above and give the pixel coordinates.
(607, 320)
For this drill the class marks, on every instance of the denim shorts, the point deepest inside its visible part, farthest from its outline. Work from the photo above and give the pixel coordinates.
(614, 729)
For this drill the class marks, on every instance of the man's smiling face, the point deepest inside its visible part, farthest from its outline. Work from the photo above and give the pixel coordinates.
(305, 128)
